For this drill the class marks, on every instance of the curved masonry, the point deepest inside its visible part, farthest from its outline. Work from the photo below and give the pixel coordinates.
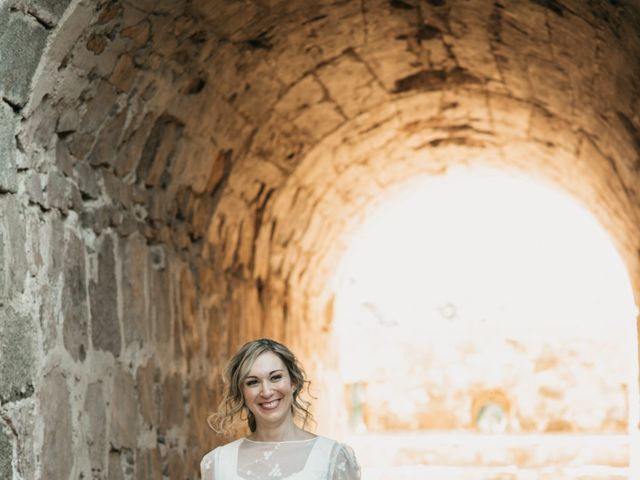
(178, 176)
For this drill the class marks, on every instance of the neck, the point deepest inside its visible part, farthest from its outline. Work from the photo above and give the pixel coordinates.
(282, 432)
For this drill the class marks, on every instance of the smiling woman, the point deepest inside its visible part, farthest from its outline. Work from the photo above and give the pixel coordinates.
(264, 380)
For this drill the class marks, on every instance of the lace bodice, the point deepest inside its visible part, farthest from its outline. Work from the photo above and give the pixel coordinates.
(317, 458)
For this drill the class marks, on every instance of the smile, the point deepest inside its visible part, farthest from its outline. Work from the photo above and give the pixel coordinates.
(270, 405)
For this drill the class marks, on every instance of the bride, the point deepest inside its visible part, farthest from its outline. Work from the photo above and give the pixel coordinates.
(264, 380)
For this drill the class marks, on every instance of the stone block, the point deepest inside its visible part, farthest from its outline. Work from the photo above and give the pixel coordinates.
(146, 386)
(95, 414)
(159, 151)
(148, 465)
(123, 73)
(132, 147)
(87, 179)
(105, 148)
(74, 299)
(14, 268)
(6, 453)
(128, 225)
(175, 465)
(57, 191)
(99, 106)
(33, 224)
(173, 405)
(8, 174)
(161, 308)
(80, 144)
(202, 403)
(188, 313)
(51, 243)
(57, 448)
(39, 130)
(135, 319)
(105, 331)
(138, 34)
(96, 218)
(123, 417)
(22, 42)
(49, 11)
(33, 187)
(113, 187)
(350, 83)
(280, 142)
(68, 121)
(115, 466)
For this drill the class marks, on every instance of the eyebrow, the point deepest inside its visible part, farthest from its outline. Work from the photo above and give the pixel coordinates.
(270, 373)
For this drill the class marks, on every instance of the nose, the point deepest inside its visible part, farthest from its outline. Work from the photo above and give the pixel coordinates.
(266, 389)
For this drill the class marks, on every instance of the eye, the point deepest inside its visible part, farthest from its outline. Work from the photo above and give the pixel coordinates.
(276, 377)
(251, 383)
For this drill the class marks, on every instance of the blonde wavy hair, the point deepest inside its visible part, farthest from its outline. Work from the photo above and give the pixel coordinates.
(233, 405)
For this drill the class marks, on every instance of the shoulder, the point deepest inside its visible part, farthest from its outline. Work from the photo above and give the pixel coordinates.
(209, 457)
(332, 442)
(337, 448)
(343, 464)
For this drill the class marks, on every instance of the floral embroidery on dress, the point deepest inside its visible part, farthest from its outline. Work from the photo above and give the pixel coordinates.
(275, 471)
(317, 458)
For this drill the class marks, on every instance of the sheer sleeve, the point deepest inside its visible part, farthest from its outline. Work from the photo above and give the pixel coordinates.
(344, 465)
(207, 466)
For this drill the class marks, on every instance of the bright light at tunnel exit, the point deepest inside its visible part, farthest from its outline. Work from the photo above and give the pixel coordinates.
(483, 254)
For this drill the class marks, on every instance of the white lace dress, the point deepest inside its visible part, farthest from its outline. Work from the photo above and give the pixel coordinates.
(317, 458)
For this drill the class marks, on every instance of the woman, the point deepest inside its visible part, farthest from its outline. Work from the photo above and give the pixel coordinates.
(264, 381)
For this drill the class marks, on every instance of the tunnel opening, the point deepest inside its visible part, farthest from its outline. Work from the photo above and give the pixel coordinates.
(178, 177)
(485, 325)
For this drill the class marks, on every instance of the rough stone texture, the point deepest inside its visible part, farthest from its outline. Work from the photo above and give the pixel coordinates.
(95, 417)
(209, 160)
(21, 44)
(57, 447)
(8, 177)
(17, 355)
(161, 309)
(105, 324)
(115, 466)
(50, 241)
(175, 465)
(14, 269)
(136, 328)
(146, 388)
(6, 453)
(160, 149)
(49, 11)
(148, 465)
(123, 411)
(74, 299)
(172, 402)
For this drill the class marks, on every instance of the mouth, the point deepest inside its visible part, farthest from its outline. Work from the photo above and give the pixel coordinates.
(271, 405)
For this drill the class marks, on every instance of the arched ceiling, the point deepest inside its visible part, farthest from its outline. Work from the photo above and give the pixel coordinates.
(253, 133)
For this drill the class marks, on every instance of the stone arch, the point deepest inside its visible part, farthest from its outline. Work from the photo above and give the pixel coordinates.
(178, 177)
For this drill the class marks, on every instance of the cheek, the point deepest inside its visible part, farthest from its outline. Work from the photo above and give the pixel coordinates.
(246, 395)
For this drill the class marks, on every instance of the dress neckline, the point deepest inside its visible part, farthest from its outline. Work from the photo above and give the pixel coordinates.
(267, 442)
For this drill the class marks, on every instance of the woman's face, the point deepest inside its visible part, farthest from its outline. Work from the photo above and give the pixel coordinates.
(267, 390)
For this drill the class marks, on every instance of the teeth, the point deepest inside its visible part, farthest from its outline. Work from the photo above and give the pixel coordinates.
(271, 404)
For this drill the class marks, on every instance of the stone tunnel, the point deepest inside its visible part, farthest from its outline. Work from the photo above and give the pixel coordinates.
(179, 176)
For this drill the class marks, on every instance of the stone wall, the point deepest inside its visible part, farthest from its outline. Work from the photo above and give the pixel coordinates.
(103, 320)
(179, 177)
